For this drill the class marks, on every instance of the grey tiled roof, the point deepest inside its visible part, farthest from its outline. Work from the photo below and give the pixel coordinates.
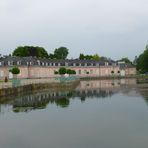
(23, 61)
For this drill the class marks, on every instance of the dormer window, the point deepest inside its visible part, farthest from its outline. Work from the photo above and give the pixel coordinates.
(106, 63)
(82, 64)
(38, 62)
(77, 64)
(18, 63)
(10, 63)
(88, 64)
(56, 64)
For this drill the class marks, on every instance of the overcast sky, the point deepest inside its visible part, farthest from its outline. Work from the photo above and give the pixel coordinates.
(112, 28)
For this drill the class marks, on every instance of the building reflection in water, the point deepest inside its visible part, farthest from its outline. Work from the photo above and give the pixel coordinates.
(85, 90)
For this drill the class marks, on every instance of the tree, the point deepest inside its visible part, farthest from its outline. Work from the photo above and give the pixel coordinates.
(15, 70)
(62, 71)
(56, 72)
(25, 51)
(73, 72)
(70, 71)
(61, 53)
(103, 58)
(126, 60)
(81, 57)
(52, 56)
(89, 57)
(142, 61)
(95, 57)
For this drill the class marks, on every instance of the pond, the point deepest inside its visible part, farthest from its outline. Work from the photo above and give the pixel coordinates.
(96, 114)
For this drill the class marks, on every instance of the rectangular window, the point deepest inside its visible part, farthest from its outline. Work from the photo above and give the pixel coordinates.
(70, 64)
(82, 64)
(62, 64)
(38, 62)
(18, 63)
(88, 64)
(56, 64)
(9, 63)
(1, 73)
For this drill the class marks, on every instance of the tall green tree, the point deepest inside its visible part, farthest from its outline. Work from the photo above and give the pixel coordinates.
(95, 57)
(61, 53)
(24, 51)
(89, 57)
(142, 61)
(81, 57)
(126, 60)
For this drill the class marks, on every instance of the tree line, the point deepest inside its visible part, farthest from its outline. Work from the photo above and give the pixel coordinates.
(141, 62)
(59, 53)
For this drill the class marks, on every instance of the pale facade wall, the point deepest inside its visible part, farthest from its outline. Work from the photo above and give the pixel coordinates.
(47, 72)
(131, 71)
(4, 72)
(23, 72)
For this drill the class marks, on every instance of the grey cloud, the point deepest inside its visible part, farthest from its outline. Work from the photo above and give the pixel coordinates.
(114, 28)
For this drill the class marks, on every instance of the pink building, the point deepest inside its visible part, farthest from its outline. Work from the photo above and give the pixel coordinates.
(31, 67)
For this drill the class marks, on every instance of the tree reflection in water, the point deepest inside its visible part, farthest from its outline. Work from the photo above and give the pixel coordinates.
(86, 90)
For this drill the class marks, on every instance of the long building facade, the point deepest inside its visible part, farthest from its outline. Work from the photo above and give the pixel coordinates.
(32, 67)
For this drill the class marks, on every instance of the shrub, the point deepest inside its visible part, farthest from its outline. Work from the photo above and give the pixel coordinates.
(15, 70)
(56, 72)
(62, 71)
(73, 72)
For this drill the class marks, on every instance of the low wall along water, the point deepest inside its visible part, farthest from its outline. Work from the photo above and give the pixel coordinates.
(24, 86)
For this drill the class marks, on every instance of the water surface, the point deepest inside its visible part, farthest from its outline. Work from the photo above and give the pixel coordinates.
(96, 114)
